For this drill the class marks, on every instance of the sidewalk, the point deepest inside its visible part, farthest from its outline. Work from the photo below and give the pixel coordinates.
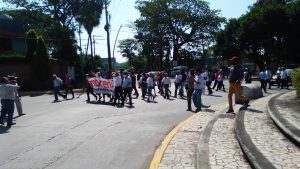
(213, 139)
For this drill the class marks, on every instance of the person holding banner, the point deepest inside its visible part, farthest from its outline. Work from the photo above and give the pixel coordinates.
(127, 85)
(89, 88)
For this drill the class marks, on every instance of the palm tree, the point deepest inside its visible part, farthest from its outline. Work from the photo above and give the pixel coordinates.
(89, 16)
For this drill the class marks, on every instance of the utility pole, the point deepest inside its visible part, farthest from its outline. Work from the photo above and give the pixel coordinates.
(115, 46)
(106, 27)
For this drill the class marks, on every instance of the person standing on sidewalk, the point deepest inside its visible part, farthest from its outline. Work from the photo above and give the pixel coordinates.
(57, 83)
(199, 82)
(190, 89)
(7, 95)
(235, 78)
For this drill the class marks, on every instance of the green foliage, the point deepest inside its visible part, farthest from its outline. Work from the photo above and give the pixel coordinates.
(13, 57)
(40, 62)
(296, 80)
(175, 24)
(31, 43)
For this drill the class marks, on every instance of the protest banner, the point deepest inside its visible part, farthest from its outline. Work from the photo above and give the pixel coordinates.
(102, 86)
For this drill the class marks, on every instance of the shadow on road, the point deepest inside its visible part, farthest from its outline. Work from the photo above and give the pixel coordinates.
(4, 129)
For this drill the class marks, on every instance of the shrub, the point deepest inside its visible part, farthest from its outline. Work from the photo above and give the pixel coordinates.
(296, 80)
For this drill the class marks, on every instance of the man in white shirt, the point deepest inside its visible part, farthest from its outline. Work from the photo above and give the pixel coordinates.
(150, 86)
(269, 77)
(198, 87)
(118, 88)
(7, 95)
(263, 80)
(166, 82)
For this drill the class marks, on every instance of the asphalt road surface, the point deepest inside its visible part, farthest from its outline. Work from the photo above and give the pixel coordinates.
(73, 134)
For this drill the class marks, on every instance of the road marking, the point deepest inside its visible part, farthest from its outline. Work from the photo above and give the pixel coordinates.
(162, 148)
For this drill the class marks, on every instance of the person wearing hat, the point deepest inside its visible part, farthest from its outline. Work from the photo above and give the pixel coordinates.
(235, 78)
(7, 95)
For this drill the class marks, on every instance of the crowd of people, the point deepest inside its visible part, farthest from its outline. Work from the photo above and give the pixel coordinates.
(193, 83)
(9, 98)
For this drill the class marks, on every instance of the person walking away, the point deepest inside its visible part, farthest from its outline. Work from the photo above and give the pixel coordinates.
(199, 82)
(143, 85)
(216, 74)
(190, 89)
(57, 83)
(69, 86)
(268, 77)
(166, 82)
(133, 79)
(150, 85)
(159, 83)
(7, 95)
(118, 88)
(278, 78)
(13, 81)
(247, 75)
(89, 88)
(177, 82)
(235, 78)
(283, 77)
(220, 79)
(127, 85)
(263, 80)
(183, 83)
(208, 83)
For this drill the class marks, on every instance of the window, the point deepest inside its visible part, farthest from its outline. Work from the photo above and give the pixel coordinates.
(5, 44)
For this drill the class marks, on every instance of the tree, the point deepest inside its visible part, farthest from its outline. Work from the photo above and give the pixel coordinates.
(180, 22)
(89, 16)
(127, 48)
(40, 62)
(31, 43)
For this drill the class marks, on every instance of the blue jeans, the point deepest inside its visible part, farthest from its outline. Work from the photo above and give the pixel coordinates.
(57, 92)
(7, 109)
(197, 98)
(149, 91)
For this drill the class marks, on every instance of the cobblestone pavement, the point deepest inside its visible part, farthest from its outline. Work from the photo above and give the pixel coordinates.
(181, 152)
(224, 150)
(288, 107)
(268, 139)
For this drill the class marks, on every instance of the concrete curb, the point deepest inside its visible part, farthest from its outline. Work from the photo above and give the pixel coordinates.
(287, 128)
(255, 158)
(202, 146)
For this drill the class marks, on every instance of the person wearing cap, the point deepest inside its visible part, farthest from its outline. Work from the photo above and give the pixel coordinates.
(235, 78)
(7, 95)
(57, 83)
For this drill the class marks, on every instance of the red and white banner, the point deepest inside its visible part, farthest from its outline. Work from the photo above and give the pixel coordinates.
(102, 86)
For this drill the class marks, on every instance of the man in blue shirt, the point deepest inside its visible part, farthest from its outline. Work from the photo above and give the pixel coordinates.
(198, 86)
(127, 86)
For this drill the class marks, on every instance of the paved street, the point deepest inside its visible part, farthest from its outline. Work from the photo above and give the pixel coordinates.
(74, 134)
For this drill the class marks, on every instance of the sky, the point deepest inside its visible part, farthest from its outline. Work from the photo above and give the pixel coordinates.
(123, 12)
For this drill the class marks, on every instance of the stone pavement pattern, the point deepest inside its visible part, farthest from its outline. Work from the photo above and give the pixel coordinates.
(224, 150)
(181, 153)
(268, 139)
(288, 106)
